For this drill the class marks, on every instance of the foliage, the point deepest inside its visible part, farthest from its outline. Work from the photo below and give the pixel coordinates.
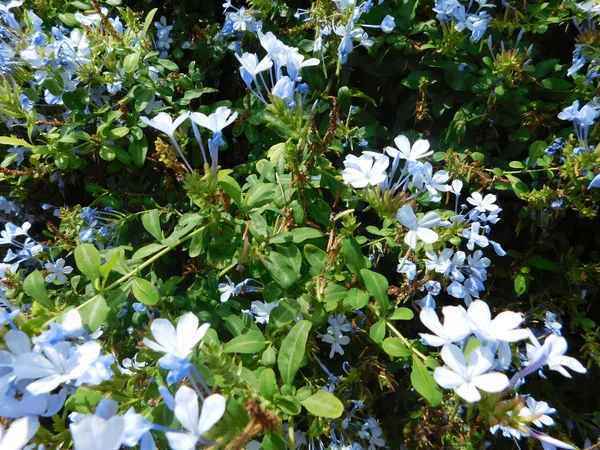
(249, 209)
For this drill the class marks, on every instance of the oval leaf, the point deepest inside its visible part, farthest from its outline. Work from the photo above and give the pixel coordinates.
(292, 351)
(251, 342)
(424, 384)
(87, 259)
(377, 285)
(144, 291)
(394, 347)
(323, 404)
(402, 314)
(35, 286)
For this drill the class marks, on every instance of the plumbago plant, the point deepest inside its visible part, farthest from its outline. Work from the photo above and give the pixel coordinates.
(215, 236)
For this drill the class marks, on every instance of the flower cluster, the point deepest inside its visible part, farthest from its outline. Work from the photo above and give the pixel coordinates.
(476, 350)
(453, 12)
(214, 122)
(350, 27)
(26, 247)
(586, 54)
(38, 375)
(163, 39)
(279, 56)
(582, 120)
(466, 272)
(238, 21)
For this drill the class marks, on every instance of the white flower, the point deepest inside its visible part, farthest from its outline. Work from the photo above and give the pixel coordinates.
(432, 182)
(284, 88)
(57, 271)
(552, 354)
(227, 290)
(334, 336)
(457, 186)
(456, 326)
(19, 433)
(552, 324)
(96, 433)
(163, 122)
(409, 268)
(59, 363)
(418, 229)
(420, 149)
(502, 328)
(295, 62)
(439, 263)
(336, 341)
(338, 324)
(196, 423)
(251, 67)
(215, 122)
(469, 378)
(261, 310)
(367, 170)
(176, 342)
(537, 412)
(483, 204)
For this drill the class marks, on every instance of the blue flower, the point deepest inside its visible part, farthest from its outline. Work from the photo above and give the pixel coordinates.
(388, 24)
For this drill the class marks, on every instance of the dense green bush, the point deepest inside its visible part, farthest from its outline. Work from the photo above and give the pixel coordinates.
(246, 206)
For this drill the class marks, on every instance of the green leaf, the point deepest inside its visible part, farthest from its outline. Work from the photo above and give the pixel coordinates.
(251, 342)
(518, 186)
(377, 331)
(269, 358)
(542, 263)
(285, 313)
(356, 298)
(394, 347)
(267, 384)
(138, 150)
(424, 384)
(148, 21)
(282, 272)
(353, 257)
(300, 235)
(7, 140)
(107, 153)
(35, 286)
(232, 188)
(315, 256)
(110, 264)
(520, 284)
(377, 285)
(94, 314)
(323, 404)
(292, 351)
(118, 132)
(167, 64)
(87, 259)
(402, 314)
(148, 250)
(144, 291)
(556, 84)
(259, 195)
(290, 405)
(536, 151)
(151, 222)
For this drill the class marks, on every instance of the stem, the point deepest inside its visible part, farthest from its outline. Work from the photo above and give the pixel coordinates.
(455, 411)
(142, 266)
(405, 341)
(196, 373)
(196, 388)
(291, 433)
(187, 164)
